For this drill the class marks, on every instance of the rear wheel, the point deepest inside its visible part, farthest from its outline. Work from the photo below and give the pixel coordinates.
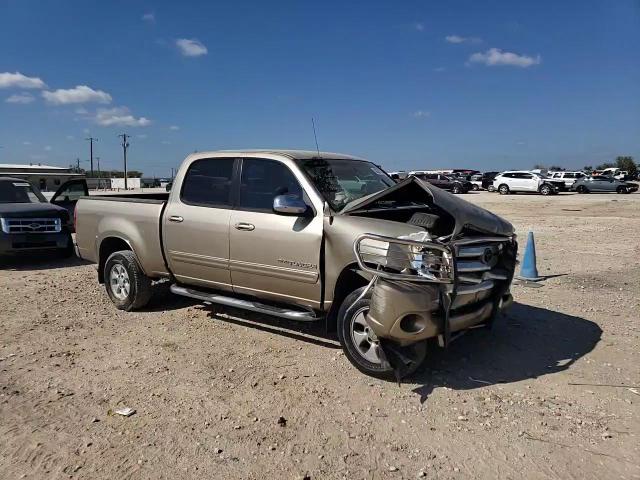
(127, 286)
(622, 189)
(546, 190)
(582, 189)
(503, 189)
(475, 187)
(457, 188)
(359, 342)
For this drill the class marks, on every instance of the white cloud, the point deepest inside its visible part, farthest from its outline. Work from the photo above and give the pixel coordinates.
(47, 148)
(439, 69)
(81, 111)
(149, 17)
(142, 136)
(496, 57)
(120, 117)
(79, 94)
(22, 98)
(191, 47)
(419, 26)
(458, 39)
(70, 137)
(421, 114)
(165, 142)
(18, 80)
(37, 156)
(26, 143)
(174, 127)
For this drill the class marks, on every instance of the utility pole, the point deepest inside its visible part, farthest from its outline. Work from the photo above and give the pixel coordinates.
(91, 140)
(125, 145)
(77, 165)
(99, 175)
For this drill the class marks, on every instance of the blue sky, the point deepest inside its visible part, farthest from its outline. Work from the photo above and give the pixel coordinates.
(413, 84)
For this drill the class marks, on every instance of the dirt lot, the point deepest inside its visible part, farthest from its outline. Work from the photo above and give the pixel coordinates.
(209, 385)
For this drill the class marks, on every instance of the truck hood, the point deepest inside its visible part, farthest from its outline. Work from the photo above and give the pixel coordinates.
(8, 210)
(466, 215)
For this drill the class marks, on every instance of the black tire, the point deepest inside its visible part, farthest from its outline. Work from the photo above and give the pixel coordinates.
(582, 189)
(475, 187)
(457, 188)
(350, 309)
(139, 292)
(503, 189)
(68, 251)
(546, 190)
(622, 189)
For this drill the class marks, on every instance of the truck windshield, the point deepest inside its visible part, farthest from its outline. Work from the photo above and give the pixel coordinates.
(15, 191)
(343, 181)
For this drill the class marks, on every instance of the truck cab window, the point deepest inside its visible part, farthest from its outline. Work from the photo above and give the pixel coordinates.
(208, 182)
(263, 180)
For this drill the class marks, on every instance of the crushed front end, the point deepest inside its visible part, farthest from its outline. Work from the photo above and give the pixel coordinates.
(424, 287)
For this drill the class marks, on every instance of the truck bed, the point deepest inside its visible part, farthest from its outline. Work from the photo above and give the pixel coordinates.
(129, 217)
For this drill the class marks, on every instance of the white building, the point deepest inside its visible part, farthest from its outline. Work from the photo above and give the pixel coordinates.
(46, 177)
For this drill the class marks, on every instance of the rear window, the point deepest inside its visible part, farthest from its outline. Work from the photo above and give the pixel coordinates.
(208, 182)
(15, 191)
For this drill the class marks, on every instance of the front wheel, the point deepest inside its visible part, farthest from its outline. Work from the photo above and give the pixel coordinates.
(475, 187)
(545, 190)
(456, 188)
(582, 189)
(622, 189)
(361, 345)
(127, 286)
(503, 189)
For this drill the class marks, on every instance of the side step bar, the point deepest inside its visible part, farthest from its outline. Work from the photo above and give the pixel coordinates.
(298, 315)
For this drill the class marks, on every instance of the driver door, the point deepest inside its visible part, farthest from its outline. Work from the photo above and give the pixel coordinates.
(68, 194)
(273, 255)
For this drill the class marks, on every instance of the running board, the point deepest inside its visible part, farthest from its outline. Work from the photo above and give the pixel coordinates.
(298, 315)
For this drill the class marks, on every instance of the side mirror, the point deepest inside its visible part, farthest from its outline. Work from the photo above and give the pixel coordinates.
(289, 205)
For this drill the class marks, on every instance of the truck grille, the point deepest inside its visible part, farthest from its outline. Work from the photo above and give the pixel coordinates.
(31, 225)
(480, 267)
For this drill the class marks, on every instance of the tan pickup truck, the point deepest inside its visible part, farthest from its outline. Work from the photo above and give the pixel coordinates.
(310, 236)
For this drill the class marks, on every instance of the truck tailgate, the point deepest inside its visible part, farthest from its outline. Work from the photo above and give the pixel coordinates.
(134, 220)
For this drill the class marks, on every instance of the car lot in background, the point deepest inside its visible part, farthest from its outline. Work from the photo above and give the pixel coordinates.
(451, 184)
(602, 183)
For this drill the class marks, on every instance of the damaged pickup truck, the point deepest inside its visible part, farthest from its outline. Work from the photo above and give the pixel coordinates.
(310, 236)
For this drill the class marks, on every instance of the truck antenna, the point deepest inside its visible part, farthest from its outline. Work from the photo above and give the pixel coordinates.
(313, 124)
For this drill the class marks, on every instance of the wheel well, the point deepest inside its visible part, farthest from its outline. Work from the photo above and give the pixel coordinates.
(348, 281)
(107, 247)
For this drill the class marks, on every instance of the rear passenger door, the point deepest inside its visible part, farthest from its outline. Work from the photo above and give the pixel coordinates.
(272, 255)
(196, 224)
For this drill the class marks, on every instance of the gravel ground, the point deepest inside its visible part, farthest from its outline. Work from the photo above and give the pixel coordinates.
(223, 394)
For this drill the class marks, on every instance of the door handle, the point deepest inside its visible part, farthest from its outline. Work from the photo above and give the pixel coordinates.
(245, 226)
(176, 218)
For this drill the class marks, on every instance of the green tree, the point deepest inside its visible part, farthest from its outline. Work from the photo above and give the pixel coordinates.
(587, 169)
(602, 166)
(626, 163)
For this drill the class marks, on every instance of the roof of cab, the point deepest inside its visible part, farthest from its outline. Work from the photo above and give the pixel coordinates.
(293, 154)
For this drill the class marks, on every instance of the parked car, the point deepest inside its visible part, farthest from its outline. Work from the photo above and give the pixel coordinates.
(523, 181)
(30, 223)
(476, 181)
(445, 182)
(602, 183)
(569, 178)
(309, 236)
(487, 180)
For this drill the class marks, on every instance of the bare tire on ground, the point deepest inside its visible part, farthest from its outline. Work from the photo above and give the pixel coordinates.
(127, 286)
(503, 189)
(359, 342)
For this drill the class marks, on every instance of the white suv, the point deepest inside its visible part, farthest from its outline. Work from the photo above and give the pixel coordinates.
(569, 178)
(523, 181)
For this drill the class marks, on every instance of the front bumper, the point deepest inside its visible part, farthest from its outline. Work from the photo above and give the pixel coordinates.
(408, 309)
(21, 243)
